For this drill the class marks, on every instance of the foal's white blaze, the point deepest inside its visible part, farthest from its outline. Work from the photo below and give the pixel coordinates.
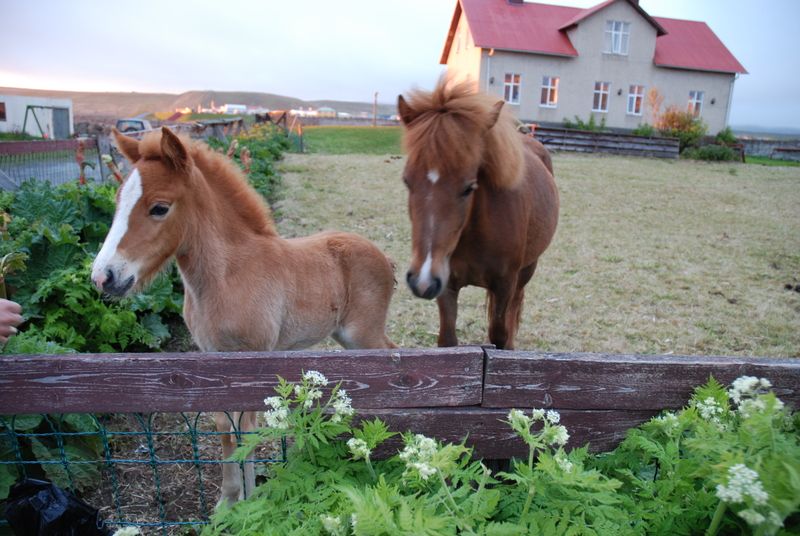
(425, 271)
(433, 176)
(130, 192)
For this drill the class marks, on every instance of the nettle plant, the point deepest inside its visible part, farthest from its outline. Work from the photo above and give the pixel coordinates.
(728, 463)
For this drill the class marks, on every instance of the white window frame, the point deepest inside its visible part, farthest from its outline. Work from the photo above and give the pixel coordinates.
(696, 102)
(512, 82)
(602, 91)
(635, 100)
(617, 37)
(549, 92)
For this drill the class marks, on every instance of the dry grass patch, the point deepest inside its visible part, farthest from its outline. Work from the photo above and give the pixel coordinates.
(651, 256)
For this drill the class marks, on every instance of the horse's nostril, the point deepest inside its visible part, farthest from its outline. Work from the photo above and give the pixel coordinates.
(435, 288)
(109, 277)
(409, 276)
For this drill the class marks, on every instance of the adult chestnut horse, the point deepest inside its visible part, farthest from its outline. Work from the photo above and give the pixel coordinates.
(246, 288)
(482, 201)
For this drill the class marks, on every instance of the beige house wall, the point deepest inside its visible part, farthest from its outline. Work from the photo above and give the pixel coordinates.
(578, 75)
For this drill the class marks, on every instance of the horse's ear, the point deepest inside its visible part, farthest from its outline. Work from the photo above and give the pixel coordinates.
(129, 147)
(494, 115)
(174, 151)
(406, 112)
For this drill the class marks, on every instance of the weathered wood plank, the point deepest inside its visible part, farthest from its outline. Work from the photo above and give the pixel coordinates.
(87, 383)
(602, 382)
(491, 438)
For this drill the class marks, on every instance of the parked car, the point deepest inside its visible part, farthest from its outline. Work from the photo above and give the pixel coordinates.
(133, 125)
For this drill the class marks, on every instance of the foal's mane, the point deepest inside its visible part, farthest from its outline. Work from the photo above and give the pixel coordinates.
(223, 177)
(448, 131)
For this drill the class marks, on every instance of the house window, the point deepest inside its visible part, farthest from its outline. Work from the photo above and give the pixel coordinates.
(511, 88)
(618, 35)
(601, 91)
(635, 99)
(696, 102)
(2, 111)
(549, 91)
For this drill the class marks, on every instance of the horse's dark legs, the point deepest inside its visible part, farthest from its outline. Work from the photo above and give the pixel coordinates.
(499, 299)
(448, 310)
(514, 308)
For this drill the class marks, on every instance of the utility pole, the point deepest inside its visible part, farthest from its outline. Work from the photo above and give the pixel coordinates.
(375, 111)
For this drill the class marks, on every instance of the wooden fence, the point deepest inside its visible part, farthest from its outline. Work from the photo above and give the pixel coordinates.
(452, 394)
(607, 142)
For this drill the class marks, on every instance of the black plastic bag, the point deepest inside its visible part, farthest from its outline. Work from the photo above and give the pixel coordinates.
(38, 508)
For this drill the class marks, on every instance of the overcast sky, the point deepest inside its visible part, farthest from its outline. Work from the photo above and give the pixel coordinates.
(327, 49)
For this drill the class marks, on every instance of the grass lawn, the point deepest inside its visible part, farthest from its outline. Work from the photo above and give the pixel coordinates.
(651, 255)
(352, 140)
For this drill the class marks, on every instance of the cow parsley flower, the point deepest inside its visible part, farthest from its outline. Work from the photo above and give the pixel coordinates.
(127, 531)
(315, 378)
(751, 516)
(553, 416)
(518, 420)
(331, 524)
(747, 387)
(278, 416)
(359, 447)
(341, 406)
(564, 464)
(561, 436)
(743, 482)
(710, 410)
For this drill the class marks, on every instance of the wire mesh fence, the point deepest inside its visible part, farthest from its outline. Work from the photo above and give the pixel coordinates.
(52, 161)
(160, 472)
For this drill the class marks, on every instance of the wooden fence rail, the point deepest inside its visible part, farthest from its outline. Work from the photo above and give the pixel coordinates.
(448, 393)
(607, 142)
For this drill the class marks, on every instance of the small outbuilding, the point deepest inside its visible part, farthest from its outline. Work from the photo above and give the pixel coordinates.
(36, 116)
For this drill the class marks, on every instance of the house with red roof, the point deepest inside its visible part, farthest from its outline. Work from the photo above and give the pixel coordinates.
(553, 62)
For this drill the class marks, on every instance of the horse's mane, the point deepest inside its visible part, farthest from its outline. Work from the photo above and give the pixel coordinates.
(224, 177)
(448, 130)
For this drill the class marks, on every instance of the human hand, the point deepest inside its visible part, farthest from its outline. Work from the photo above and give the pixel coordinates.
(9, 318)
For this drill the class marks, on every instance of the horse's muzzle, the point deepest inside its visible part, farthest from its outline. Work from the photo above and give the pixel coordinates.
(112, 285)
(426, 288)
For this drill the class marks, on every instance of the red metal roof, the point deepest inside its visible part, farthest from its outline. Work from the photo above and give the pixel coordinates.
(692, 45)
(539, 28)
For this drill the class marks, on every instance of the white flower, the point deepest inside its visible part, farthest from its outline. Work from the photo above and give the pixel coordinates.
(277, 418)
(425, 469)
(709, 409)
(553, 416)
(275, 401)
(341, 406)
(127, 531)
(747, 386)
(538, 414)
(315, 378)
(331, 524)
(359, 447)
(564, 464)
(561, 436)
(752, 517)
(353, 520)
(518, 419)
(742, 482)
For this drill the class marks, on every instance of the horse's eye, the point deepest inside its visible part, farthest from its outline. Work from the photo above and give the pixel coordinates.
(469, 189)
(159, 210)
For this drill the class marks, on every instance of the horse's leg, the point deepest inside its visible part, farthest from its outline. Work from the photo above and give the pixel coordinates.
(515, 307)
(249, 422)
(500, 295)
(232, 488)
(231, 475)
(448, 310)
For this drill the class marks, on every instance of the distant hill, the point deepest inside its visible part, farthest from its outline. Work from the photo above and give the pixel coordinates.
(756, 131)
(113, 105)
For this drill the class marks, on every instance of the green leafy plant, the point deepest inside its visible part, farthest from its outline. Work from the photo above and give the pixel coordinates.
(727, 136)
(591, 125)
(713, 153)
(645, 129)
(682, 124)
(51, 237)
(38, 442)
(728, 463)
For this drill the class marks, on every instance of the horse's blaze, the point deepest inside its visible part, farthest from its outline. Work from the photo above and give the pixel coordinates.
(111, 272)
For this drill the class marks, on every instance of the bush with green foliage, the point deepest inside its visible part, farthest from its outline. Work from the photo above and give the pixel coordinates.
(728, 463)
(591, 125)
(727, 136)
(645, 129)
(682, 124)
(713, 153)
